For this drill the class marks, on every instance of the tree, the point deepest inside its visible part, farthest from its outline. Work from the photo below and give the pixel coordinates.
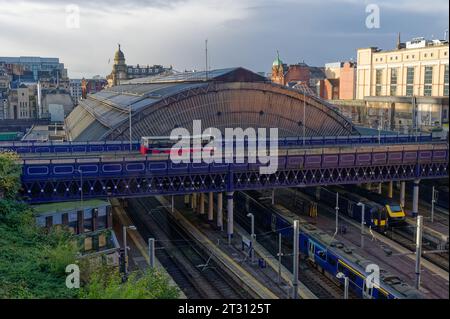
(106, 283)
(10, 171)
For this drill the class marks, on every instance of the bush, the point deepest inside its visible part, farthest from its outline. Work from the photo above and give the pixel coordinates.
(106, 283)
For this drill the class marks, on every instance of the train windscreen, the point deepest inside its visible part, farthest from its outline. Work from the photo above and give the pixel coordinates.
(396, 208)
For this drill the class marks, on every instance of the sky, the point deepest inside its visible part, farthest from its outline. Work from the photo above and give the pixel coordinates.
(244, 33)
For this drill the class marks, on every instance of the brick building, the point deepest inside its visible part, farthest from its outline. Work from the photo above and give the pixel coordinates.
(300, 75)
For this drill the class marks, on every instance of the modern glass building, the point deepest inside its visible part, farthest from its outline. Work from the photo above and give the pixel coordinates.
(37, 65)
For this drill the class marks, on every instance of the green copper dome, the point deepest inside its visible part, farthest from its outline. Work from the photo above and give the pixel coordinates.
(277, 62)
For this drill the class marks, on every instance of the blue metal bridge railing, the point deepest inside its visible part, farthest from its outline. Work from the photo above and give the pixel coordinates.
(298, 141)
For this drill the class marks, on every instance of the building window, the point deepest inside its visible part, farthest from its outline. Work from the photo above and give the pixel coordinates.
(428, 81)
(88, 227)
(394, 75)
(101, 218)
(410, 81)
(446, 81)
(378, 78)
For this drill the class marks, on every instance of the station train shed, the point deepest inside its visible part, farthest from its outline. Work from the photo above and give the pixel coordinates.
(225, 98)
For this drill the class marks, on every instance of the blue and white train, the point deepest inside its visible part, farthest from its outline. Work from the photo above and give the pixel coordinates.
(329, 256)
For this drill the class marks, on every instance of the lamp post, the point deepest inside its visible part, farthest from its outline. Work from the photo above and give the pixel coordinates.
(124, 230)
(337, 214)
(129, 111)
(363, 207)
(341, 275)
(295, 261)
(252, 251)
(419, 231)
(434, 194)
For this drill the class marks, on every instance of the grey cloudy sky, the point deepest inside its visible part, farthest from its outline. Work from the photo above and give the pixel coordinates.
(240, 32)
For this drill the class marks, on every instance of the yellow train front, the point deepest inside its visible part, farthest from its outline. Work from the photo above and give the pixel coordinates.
(395, 212)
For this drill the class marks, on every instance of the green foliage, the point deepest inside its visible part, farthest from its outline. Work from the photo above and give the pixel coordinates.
(10, 172)
(106, 283)
(33, 260)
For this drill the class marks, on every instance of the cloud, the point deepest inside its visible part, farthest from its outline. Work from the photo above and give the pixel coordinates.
(240, 32)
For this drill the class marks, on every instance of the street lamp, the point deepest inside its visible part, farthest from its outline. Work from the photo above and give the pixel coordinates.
(81, 187)
(434, 196)
(129, 111)
(124, 231)
(252, 252)
(363, 208)
(341, 275)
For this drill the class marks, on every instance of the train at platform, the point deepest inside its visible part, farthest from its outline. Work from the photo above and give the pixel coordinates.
(326, 254)
(379, 212)
(395, 213)
(375, 214)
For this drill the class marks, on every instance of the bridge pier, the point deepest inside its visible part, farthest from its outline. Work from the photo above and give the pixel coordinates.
(380, 188)
(194, 202)
(402, 193)
(230, 204)
(186, 201)
(210, 206)
(415, 210)
(220, 211)
(202, 203)
(391, 189)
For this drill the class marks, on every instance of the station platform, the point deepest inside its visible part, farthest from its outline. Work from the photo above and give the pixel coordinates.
(377, 248)
(262, 282)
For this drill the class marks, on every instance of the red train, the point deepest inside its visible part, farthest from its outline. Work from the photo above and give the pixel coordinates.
(163, 144)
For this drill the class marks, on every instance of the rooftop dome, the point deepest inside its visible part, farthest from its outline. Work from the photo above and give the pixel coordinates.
(119, 55)
(277, 62)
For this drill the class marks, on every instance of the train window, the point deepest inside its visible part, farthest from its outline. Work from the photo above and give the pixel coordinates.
(331, 261)
(396, 208)
(73, 223)
(322, 254)
(101, 218)
(353, 278)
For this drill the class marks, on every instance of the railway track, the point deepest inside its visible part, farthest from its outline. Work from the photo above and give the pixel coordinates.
(319, 284)
(406, 239)
(196, 274)
(403, 238)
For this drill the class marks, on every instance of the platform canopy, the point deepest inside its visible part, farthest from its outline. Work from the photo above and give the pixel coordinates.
(225, 98)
